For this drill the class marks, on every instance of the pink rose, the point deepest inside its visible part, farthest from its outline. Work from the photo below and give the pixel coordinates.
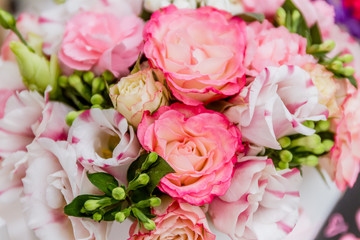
(53, 180)
(268, 8)
(270, 46)
(276, 104)
(345, 155)
(199, 144)
(176, 220)
(104, 140)
(88, 45)
(200, 51)
(260, 203)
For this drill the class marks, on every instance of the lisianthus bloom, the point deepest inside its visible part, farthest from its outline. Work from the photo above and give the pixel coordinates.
(344, 163)
(269, 46)
(276, 104)
(139, 92)
(25, 115)
(268, 8)
(103, 139)
(53, 180)
(260, 203)
(116, 50)
(331, 91)
(175, 220)
(200, 51)
(199, 144)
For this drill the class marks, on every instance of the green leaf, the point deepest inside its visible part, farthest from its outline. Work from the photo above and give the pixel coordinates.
(315, 34)
(157, 171)
(74, 208)
(251, 17)
(110, 215)
(103, 181)
(353, 81)
(301, 26)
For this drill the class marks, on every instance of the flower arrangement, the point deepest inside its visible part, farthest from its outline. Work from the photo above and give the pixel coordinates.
(174, 113)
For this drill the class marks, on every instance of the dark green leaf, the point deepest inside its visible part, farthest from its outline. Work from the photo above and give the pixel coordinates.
(131, 173)
(315, 34)
(251, 17)
(353, 81)
(110, 215)
(302, 27)
(103, 181)
(140, 194)
(74, 208)
(157, 171)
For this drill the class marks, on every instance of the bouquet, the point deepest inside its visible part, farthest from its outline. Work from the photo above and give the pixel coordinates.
(174, 114)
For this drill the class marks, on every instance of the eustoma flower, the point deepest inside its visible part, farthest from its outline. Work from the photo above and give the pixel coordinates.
(175, 220)
(103, 139)
(275, 105)
(269, 46)
(200, 51)
(199, 144)
(88, 45)
(52, 180)
(137, 93)
(260, 203)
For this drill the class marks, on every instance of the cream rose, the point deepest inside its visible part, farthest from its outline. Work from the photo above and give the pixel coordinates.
(137, 93)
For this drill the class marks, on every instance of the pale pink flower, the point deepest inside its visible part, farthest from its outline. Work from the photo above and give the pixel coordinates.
(104, 140)
(260, 203)
(199, 144)
(175, 220)
(25, 116)
(53, 179)
(10, 76)
(276, 104)
(268, 46)
(139, 92)
(199, 50)
(344, 163)
(88, 45)
(268, 7)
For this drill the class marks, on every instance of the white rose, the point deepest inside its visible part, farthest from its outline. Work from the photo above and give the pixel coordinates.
(154, 5)
(137, 93)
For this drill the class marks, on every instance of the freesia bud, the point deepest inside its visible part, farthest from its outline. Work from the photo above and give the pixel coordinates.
(37, 72)
(346, 58)
(280, 16)
(150, 159)
(283, 165)
(327, 46)
(7, 20)
(328, 144)
(91, 205)
(150, 225)
(88, 77)
(119, 193)
(63, 81)
(122, 215)
(311, 161)
(142, 180)
(284, 142)
(76, 82)
(348, 71)
(151, 202)
(336, 65)
(97, 99)
(98, 85)
(108, 76)
(71, 116)
(286, 156)
(97, 217)
(322, 126)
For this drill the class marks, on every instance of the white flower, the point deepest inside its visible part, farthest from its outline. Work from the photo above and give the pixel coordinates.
(53, 180)
(103, 139)
(232, 6)
(276, 104)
